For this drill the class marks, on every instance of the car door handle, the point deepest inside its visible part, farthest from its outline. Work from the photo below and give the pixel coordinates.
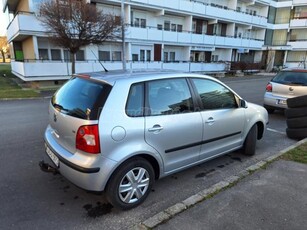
(210, 121)
(155, 128)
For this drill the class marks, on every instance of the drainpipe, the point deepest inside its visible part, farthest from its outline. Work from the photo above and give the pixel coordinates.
(123, 34)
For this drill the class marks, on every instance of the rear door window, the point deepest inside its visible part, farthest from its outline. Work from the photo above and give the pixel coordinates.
(169, 96)
(135, 102)
(81, 98)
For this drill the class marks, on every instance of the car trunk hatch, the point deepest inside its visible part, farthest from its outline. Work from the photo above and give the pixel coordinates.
(77, 103)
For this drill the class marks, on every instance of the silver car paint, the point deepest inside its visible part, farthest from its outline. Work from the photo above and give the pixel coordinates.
(283, 92)
(122, 137)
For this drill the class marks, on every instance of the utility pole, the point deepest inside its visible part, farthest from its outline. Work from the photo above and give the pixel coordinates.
(123, 34)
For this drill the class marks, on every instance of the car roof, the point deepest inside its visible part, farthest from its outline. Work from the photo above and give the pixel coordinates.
(295, 70)
(136, 76)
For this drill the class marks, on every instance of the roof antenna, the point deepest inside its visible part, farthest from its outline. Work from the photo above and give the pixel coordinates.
(105, 70)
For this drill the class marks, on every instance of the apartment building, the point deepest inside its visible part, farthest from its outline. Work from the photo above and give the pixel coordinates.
(187, 35)
(286, 36)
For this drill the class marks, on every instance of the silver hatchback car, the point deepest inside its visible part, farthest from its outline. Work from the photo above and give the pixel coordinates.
(119, 132)
(286, 84)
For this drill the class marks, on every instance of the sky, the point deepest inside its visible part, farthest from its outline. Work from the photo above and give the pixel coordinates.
(3, 21)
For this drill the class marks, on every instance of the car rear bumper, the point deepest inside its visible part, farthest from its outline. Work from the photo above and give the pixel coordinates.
(89, 176)
(272, 101)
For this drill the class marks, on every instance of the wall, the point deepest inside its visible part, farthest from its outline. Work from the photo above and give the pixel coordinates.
(28, 48)
(23, 6)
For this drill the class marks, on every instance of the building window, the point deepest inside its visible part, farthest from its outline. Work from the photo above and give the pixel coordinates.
(172, 56)
(139, 22)
(56, 54)
(217, 29)
(179, 28)
(80, 55)
(135, 57)
(174, 27)
(214, 58)
(66, 55)
(142, 55)
(116, 56)
(167, 25)
(160, 27)
(148, 55)
(136, 22)
(166, 56)
(104, 56)
(143, 23)
(43, 54)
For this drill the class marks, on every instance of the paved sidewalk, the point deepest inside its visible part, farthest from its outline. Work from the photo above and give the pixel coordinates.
(271, 194)
(274, 198)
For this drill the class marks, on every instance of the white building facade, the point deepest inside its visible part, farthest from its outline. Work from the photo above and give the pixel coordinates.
(195, 36)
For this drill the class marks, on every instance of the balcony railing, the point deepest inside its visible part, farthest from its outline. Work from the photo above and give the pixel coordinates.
(213, 10)
(298, 23)
(190, 38)
(45, 69)
(300, 44)
(24, 23)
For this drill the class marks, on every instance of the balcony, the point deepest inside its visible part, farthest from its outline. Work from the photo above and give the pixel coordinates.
(32, 70)
(24, 24)
(298, 45)
(213, 11)
(189, 39)
(299, 2)
(298, 23)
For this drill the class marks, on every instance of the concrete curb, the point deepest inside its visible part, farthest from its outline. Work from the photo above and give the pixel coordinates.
(205, 194)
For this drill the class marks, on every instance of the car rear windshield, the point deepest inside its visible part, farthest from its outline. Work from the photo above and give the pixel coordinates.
(81, 98)
(288, 77)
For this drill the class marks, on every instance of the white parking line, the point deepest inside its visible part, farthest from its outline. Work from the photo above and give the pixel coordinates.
(276, 131)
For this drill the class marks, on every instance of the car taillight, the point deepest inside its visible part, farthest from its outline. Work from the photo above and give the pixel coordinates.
(87, 139)
(269, 87)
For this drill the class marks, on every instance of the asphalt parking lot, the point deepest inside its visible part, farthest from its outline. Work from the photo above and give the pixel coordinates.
(32, 199)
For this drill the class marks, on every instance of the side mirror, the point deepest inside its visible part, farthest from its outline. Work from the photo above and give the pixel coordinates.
(243, 103)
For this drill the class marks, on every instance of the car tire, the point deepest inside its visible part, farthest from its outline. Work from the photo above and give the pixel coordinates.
(249, 146)
(296, 134)
(298, 122)
(296, 112)
(137, 171)
(297, 102)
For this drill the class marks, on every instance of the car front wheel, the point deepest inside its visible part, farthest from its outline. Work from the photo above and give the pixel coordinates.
(249, 147)
(130, 184)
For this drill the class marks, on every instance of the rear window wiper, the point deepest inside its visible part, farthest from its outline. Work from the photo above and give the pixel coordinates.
(59, 107)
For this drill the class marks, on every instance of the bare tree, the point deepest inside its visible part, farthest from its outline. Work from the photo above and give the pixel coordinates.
(4, 47)
(72, 24)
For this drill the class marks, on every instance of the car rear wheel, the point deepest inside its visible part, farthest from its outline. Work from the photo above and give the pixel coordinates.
(130, 184)
(249, 147)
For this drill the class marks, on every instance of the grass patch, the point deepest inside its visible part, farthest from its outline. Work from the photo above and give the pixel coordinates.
(9, 88)
(18, 93)
(298, 154)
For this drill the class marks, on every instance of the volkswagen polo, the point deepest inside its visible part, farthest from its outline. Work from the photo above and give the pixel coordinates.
(119, 132)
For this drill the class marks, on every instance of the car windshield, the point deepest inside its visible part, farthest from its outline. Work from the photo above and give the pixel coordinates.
(289, 77)
(81, 98)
